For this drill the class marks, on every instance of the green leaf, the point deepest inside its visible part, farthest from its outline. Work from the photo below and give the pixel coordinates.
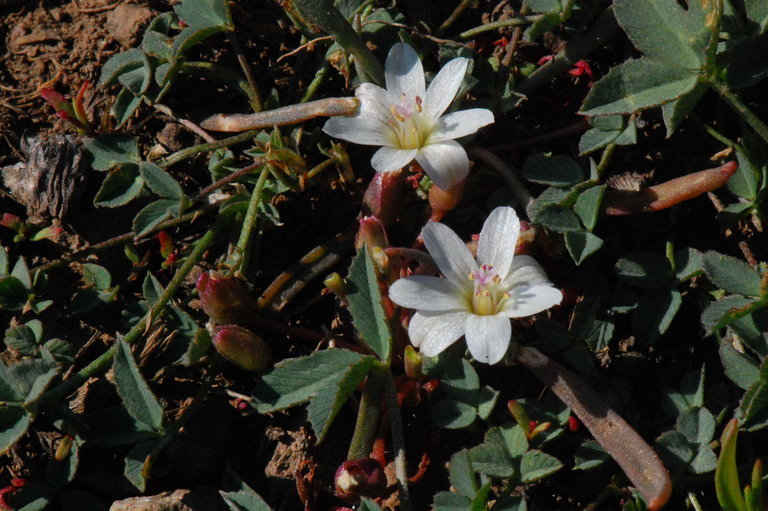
(675, 450)
(138, 398)
(14, 422)
(60, 473)
(365, 306)
(739, 368)
(726, 475)
(453, 414)
(23, 339)
(536, 465)
(461, 474)
(645, 269)
(120, 63)
(588, 455)
(239, 496)
(160, 182)
(21, 271)
(722, 312)
(559, 170)
(587, 206)
(139, 460)
(664, 31)
(697, 425)
(688, 263)
(13, 293)
(744, 181)
(675, 112)
(654, 314)
(755, 398)
(329, 399)
(96, 276)
(511, 503)
(595, 139)
(205, 18)
(368, 505)
(731, 274)
(125, 106)
(704, 461)
(137, 81)
(637, 85)
(153, 214)
(581, 244)
(111, 150)
(557, 218)
(493, 460)
(120, 187)
(297, 380)
(447, 501)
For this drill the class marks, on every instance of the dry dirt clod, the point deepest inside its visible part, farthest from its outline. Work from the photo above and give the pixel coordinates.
(126, 22)
(197, 499)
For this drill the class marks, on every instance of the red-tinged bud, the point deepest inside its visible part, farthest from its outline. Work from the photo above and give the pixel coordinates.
(341, 508)
(51, 232)
(242, 347)
(382, 197)
(545, 59)
(11, 221)
(540, 428)
(533, 424)
(224, 299)
(412, 362)
(442, 201)
(166, 243)
(358, 478)
(371, 233)
(573, 424)
(19, 482)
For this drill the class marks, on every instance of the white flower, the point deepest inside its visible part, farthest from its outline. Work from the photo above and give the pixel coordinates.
(407, 121)
(477, 297)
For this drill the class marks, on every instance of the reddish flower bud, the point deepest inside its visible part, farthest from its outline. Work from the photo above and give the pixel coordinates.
(11, 221)
(382, 197)
(224, 299)
(363, 477)
(442, 201)
(242, 347)
(371, 233)
(573, 424)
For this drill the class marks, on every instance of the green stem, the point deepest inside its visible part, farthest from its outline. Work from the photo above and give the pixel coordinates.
(250, 221)
(206, 147)
(323, 14)
(453, 17)
(602, 29)
(320, 167)
(368, 413)
(316, 82)
(743, 110)
(398, 443)
(510, 22)
(252, 89)
(102, 363)
(605, 159)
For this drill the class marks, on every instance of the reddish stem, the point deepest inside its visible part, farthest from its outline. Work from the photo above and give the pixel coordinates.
(669, 193)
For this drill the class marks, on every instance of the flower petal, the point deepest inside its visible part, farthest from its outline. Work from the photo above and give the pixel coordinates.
(388, 159)
(403, 73)
(526, 271)
(426, 293)
(459, 124)
(529, 300)
(446, 163)
(444, 87)
(433, 332)
(488, 337)
(451, 255)
(375, 103)
(360, 130)
(498, 239)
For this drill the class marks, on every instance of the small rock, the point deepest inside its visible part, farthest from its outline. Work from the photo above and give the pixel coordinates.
(126, 22)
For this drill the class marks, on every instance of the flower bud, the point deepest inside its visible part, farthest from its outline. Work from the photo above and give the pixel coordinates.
(358, 478)
(382, 197)
(371, 233)
(224, 299)
(412, 362)
(442, 201)
(242, 347)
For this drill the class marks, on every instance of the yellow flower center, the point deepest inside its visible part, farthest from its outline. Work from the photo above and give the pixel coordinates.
(409, 130)
(489, 296)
